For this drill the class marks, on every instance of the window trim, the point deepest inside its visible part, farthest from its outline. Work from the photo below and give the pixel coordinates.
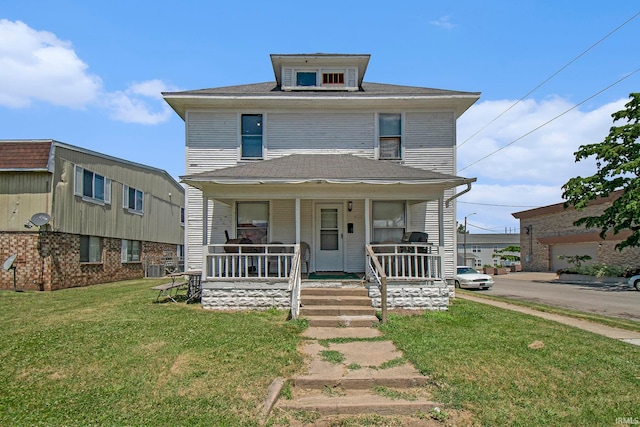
(126, 200)
(266, 228)
(262, 137)
(78, 187)
(127, 249)
(90, 240)
(375, 227)
(390, 137)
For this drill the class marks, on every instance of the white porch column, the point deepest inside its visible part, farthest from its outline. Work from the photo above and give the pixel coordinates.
(297, 221)
(205, 220)
(367, 222)
(440, 223)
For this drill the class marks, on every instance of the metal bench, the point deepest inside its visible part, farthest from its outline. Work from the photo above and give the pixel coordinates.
(168, 289)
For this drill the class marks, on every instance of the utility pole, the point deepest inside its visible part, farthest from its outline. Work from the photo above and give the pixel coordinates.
(464, 240)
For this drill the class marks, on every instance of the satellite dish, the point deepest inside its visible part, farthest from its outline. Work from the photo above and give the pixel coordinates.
(8, 264)
(40, 219)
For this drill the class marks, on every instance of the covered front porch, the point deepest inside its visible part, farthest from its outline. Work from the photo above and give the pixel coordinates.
(270, 224)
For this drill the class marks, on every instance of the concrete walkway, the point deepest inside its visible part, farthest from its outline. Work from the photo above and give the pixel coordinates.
(630, 337)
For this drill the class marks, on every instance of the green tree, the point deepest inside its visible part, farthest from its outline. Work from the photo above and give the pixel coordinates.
(618, 169)
(461, 229)
(508, 253)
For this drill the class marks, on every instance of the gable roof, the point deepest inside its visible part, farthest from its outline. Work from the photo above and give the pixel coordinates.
(329, 168)
(25, 155)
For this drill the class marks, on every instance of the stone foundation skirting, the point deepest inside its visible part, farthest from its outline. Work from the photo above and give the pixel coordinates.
(245, 296)
(425, 296)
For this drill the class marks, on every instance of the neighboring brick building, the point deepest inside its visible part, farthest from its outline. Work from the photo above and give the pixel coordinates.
(548, 232)
(104, 220)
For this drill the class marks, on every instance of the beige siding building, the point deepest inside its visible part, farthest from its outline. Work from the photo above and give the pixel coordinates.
(101, 218)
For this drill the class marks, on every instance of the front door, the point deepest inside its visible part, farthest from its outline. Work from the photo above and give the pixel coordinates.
(328, 241)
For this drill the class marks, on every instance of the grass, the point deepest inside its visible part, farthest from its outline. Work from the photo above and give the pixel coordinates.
(109, 355)
(478, 359)
(615, 322)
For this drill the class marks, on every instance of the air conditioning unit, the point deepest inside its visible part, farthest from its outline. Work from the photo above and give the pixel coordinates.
(155, 270)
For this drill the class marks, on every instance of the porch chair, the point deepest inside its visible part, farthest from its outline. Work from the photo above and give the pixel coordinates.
(305, 256)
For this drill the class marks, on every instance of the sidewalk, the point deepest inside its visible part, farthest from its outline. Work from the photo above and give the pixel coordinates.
(630, 337)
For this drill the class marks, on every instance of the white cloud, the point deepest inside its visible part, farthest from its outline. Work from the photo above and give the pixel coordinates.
(443, 22)
(136, 104)
(530, 172)
(36, 66)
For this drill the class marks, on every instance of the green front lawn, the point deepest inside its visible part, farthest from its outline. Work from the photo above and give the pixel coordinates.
(108, 355)
(479, 359)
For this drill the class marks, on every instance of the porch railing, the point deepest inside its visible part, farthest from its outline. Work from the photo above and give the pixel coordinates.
(295, 283)
(248, 261)
(409, 261)
(376, 272)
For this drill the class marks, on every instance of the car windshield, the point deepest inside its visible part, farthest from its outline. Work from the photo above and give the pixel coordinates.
(466, 270)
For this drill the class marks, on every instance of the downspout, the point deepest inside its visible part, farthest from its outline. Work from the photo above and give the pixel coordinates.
(455, 196)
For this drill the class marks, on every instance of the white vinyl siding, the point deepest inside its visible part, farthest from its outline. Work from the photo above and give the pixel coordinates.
(320, 133)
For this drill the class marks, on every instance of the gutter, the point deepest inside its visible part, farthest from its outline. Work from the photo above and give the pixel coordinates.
(455, 196)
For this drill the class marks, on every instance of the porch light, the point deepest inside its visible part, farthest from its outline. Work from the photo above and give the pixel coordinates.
(349, 205)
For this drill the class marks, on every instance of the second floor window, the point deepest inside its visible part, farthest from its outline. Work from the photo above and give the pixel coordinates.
(92, 186)
(133, 200)
(476, 248)
(390, 129)
(306, 78)
(251, 136)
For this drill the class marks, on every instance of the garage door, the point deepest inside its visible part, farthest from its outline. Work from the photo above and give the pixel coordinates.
(573, 249)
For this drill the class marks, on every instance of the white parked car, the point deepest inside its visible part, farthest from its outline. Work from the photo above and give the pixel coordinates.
(635, 282)
(469, 278)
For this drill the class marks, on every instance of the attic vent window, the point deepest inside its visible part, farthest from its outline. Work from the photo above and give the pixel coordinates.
(333, 78)
(305, 78)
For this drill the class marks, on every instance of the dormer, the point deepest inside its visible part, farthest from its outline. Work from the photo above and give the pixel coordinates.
(319, 71)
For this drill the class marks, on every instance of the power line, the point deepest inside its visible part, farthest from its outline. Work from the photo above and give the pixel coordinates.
(497, 205)
(549, 78)
(554, 118)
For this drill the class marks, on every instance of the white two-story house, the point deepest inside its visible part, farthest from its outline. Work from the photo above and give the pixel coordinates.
(321, 164)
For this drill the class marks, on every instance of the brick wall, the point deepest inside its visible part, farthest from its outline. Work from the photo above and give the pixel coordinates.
(51, 260)
(558, 224)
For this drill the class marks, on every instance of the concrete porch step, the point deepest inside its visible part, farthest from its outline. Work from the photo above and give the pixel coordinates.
(335, 291)
(338, 402)
(340, 321)
(334, 300)
(337, 310)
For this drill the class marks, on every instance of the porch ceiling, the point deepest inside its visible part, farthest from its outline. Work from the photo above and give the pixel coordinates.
(333, 170)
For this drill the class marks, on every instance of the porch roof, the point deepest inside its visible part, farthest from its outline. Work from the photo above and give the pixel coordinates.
(327, 168)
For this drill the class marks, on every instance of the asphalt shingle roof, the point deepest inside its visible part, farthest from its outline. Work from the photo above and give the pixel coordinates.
(28, 155)
(310, 167)
(367, 89)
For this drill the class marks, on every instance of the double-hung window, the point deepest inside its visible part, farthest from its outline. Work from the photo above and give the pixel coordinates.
(130, 251)
(390, 130)
(90, 249)
(92, 186)
(388, 221)
(133, 200)
(251, 136)
(252, 219)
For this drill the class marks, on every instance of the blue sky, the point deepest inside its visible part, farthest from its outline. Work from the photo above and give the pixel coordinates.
(90, 74)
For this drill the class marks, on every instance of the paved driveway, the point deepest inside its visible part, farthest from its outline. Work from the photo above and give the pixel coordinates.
(609, 300)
